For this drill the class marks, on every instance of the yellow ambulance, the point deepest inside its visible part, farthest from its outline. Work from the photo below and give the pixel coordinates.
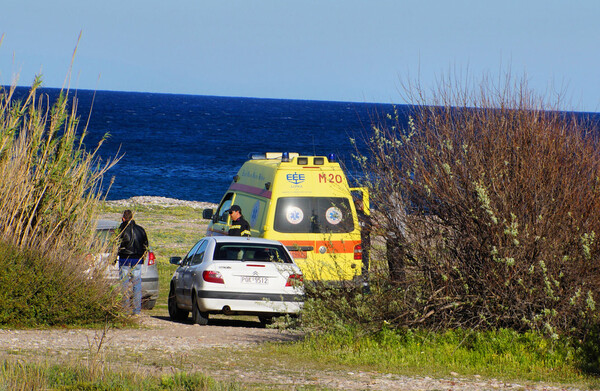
(305, 202)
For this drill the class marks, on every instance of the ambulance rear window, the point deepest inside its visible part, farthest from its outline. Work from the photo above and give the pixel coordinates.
(313, 215)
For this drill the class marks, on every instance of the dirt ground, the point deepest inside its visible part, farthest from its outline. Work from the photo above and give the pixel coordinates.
(225, 349)
(217, 350)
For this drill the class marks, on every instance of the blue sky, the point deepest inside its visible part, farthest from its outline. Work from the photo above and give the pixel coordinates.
(346, 50)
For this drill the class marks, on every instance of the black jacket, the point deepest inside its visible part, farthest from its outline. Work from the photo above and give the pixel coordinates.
(239, 227)
(134, 241)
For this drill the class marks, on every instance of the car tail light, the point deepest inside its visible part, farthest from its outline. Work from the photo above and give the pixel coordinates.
(294, 280)
(151, 258)
(212, 276)
(358, 252)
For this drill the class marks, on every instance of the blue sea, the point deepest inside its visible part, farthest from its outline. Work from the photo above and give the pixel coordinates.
(189, 147)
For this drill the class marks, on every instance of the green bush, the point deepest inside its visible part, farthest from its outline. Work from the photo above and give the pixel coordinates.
(49, 196)
(487, 202)
(589, 350)
(37, 291)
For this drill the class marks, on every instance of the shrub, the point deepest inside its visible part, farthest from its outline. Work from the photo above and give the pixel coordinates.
(489, 206)
(51, 291)
(49, 192)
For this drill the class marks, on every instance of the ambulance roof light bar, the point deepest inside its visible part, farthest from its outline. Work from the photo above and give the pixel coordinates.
(272, 155)
(256, 156)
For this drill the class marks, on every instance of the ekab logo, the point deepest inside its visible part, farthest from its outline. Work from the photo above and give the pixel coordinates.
(295, 178)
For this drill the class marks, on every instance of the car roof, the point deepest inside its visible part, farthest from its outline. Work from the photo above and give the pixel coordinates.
(238, 239)
(107, 224)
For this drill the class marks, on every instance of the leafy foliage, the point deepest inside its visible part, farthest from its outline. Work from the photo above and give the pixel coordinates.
(49, 191)
(37, 291)
(488, 205)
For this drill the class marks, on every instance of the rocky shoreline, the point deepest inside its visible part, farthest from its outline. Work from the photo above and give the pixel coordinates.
(160, 201)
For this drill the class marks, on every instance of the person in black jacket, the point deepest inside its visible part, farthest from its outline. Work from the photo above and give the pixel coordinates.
(239, 225)
(132, 250)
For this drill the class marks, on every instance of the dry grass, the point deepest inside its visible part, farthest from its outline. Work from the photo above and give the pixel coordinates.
(49, 193)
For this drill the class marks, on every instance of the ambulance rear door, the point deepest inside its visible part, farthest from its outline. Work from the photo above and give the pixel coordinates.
(319, 231)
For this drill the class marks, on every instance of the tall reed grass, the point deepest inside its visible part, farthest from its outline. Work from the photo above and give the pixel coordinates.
(50, 186)
(49, 183)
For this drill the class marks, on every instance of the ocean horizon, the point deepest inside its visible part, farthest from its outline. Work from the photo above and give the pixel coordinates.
(189, 147)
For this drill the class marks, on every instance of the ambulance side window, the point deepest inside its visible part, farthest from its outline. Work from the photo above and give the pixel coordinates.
(222, 212)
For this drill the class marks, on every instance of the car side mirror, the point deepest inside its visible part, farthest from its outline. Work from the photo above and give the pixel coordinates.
(207, 214)
(175, 260)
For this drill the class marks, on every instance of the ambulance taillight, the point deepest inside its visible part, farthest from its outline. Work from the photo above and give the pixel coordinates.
(358, 252)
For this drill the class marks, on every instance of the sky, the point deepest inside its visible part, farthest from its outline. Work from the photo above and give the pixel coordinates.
(344, 50)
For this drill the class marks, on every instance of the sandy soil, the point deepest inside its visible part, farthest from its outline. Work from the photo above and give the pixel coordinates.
(217, 350)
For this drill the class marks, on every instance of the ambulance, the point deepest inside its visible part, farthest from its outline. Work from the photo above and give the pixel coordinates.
(304, 202)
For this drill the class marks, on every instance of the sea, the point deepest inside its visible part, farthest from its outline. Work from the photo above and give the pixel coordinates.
(189, 147)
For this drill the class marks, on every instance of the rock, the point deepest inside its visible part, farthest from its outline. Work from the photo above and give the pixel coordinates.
(161, 201)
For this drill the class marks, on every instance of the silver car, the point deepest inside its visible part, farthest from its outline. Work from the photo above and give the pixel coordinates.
(105, 230)
(235, 276)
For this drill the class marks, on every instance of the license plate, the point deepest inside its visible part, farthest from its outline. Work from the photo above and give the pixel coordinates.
(255, 280)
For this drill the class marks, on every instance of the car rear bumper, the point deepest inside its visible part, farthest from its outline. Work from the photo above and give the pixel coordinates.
(150, 288)
(244, 302)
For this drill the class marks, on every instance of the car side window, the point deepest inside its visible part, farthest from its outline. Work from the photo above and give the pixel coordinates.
(190, 255)
(199, 255)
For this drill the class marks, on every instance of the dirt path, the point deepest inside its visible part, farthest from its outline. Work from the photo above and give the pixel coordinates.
(225, 350)
(217, 350)
(155, 332)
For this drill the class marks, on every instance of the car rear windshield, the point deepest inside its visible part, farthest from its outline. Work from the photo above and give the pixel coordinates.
(248, 252)
(313, 215)
(103, 236)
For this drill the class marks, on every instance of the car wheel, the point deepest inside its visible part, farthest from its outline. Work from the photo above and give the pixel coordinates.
(265, 320)
(176, 313)
(148, 304)
(198, 317)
